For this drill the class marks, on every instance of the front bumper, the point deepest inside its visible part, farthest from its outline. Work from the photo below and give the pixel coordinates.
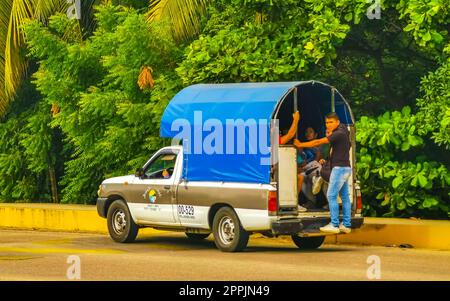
(307, 225)
(101, 206)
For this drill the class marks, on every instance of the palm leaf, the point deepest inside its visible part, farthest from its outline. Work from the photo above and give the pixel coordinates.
(13, 14)
(184, 15)
(43, 9)
(5, 11)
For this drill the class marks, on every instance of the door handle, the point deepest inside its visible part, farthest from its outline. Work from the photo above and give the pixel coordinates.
(167, 187)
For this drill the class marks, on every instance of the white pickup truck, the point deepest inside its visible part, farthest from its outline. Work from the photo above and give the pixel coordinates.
(229, 195)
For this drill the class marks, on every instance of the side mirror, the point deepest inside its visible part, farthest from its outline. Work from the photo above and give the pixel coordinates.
(139, 172)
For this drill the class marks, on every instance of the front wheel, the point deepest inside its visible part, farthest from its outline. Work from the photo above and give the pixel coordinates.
(229, 236)
(121, 226)
(308, 243)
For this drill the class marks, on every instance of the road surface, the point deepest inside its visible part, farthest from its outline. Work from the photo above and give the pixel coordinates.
(37, 255)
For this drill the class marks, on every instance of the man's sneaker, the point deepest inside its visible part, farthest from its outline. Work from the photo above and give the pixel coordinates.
(344, 229)
(317, 184)
(330, 229)
(302, 209)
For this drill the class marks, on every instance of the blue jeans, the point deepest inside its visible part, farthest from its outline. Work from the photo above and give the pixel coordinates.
(339, 185)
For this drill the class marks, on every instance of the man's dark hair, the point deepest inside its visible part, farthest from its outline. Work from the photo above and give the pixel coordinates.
(332, 115)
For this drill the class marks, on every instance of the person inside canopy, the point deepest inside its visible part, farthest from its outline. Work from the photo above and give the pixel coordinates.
(307, 159)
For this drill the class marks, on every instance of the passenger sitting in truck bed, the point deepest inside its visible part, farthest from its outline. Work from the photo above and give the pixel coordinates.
(307, 158)
(310, 154)
(308, 163)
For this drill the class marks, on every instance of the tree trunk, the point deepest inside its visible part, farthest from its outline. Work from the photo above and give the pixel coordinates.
(53, 184)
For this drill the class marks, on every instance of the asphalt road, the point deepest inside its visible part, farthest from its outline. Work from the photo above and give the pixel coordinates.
(33, 255)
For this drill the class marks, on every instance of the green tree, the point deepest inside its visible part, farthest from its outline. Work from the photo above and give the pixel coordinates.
(13, 15)
(184, 16)
(103, 91)
(400, 176)
(110, 121)
(378, 64)
(434, 104)
(31, 154)
(282, 43)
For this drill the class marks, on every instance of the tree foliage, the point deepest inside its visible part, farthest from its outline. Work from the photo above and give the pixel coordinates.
(100, 95)
(13, 15)
(279, 45)
(402, 173)
(184, 16)
(379, 64)
(28, 150)
(110, 123)
(434, 104)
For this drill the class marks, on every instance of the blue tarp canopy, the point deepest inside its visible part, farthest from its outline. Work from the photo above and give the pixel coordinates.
(225, 128)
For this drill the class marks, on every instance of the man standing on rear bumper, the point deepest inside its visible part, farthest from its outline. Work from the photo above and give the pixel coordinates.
(340, 173)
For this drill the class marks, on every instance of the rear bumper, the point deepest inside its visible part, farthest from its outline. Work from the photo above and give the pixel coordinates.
(307, 225)
(101, 204)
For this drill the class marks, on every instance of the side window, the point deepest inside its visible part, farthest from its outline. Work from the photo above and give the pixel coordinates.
(162, 167)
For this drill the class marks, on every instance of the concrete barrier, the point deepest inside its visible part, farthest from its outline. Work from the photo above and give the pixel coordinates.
(428, 234)
(54, 217)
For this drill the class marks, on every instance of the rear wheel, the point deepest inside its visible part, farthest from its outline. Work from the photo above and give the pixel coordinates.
(229, 236)
(197, 236)
(121, 226)
(308, 243)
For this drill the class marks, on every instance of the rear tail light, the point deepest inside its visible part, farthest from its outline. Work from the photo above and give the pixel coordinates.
(358, 202)
(272, 204)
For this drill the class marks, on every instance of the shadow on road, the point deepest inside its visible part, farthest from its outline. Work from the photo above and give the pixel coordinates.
(288, 249)
(255, 245)
(176, 242)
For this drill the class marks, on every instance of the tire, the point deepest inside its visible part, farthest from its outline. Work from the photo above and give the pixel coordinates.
(308, 243)
(121, 226)
(229, 236)
(197, 236)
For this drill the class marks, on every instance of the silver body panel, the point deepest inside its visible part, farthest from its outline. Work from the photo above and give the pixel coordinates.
(182, 205)
(186, 205)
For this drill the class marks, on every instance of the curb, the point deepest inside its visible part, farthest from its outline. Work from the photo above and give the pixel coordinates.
(55, 217)
(428, 234)
(399, 232)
